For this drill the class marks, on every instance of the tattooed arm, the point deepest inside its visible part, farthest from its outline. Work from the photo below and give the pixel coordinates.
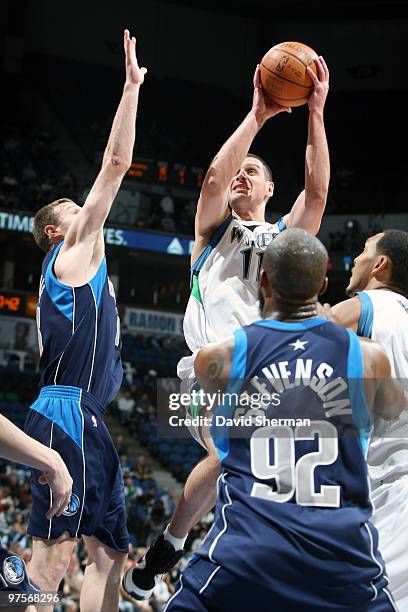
(213, 365)
(385, 395)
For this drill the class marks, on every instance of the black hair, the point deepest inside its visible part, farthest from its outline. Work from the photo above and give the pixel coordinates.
(267, 170)
(295, 263)
(394, 244)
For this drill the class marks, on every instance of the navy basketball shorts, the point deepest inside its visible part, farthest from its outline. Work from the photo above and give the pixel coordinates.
(13, 574)
(70, 420)
(208, 587)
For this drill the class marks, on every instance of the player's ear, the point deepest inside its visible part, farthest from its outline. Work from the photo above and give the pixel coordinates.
(51, 232)
(324, 286)
(270, 189)
(382, 264)
(264, 287)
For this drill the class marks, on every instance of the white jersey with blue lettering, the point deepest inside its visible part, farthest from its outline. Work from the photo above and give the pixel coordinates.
(224, 284)
(384, 318)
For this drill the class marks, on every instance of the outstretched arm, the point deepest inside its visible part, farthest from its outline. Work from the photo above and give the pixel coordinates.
(309, 207)
(16, 446)
(212, 205)
(84, 238)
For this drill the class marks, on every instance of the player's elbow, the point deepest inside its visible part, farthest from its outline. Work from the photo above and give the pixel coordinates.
(213, 182)
(316, 197)
(116, 164)
(315, 204)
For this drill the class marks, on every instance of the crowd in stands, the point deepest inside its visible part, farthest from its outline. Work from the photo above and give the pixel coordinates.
(155, 353)
(32, 172)
(169, 214)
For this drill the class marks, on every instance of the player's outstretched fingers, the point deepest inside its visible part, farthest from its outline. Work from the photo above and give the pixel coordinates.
(257, 77)
(312, 74)
(320, 70)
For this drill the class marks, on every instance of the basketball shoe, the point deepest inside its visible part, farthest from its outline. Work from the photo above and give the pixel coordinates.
(139, 581)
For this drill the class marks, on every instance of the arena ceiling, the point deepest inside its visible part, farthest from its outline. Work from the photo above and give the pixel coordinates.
(302, 10)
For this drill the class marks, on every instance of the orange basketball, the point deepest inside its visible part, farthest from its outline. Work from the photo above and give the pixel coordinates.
(283, 73)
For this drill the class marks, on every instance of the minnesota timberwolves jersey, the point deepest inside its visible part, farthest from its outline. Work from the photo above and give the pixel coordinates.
(79, 333)
(293, 498)
(224, 283)
(384, 318)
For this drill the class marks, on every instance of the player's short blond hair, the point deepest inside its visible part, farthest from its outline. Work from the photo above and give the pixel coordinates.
(47, 215)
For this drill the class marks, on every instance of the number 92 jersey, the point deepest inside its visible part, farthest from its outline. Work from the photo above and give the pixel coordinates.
(293, 499)
(79, 333)
(224, 281)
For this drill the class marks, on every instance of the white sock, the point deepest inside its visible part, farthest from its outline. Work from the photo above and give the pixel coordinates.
(178, 543)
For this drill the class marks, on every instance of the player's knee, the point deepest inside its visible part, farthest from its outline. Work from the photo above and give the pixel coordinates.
(116, 571)
(50, 575)
(108, 562)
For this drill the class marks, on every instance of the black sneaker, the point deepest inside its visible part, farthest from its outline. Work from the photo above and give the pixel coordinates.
(139, 581)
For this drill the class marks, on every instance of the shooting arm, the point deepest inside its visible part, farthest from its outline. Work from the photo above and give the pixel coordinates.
(213, 203)
(309, 207)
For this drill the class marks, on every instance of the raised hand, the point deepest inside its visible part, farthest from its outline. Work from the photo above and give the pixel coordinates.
(320, 85)
(134, 74)
(263, 107)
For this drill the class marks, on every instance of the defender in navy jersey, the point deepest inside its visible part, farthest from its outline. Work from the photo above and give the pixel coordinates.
(292, 529)
(78, 332)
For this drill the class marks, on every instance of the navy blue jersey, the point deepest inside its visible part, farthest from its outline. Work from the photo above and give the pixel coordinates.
(293, 498)
(79, 333)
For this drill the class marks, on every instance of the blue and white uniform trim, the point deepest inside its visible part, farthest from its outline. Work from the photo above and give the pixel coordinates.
(355, 375)
(365, 322)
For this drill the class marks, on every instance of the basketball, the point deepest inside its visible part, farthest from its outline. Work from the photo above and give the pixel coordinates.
(283, 73)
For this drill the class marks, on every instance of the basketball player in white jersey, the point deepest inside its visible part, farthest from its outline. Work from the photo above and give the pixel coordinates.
(230, 237)
(379, 310)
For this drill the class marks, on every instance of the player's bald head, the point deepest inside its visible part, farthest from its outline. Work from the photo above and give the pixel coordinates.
(295, 265)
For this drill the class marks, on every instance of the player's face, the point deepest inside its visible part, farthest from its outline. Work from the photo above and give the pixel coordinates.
(66, 214)
(363, 266)
(249, 186)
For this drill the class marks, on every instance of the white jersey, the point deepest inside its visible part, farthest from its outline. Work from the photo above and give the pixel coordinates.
(384, 318)
(224, 294)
